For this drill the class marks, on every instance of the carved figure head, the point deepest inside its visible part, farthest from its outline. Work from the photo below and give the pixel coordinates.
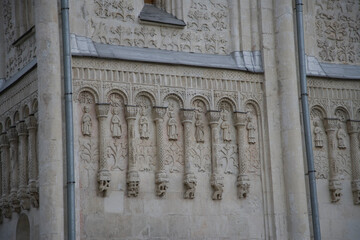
(86, 109)
(116, 111)
(316, 123)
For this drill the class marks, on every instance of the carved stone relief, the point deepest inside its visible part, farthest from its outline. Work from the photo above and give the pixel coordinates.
(86, 122)
(337, 31)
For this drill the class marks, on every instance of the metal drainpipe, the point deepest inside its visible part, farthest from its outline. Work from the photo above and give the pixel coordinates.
(69, 121)
(306, 120)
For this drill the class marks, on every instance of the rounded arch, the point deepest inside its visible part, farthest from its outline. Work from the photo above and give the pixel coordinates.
(255, 105)
(147, 94)
(117, 91)
(16, 117)
(176, 97)
(25, 111)
(83, 97)
(357, 114)
(228, 100)
(7, 123)
(23, 228)
(342, 113)
(203, 99)
(1, 127)
(318, 109)
(34, 106)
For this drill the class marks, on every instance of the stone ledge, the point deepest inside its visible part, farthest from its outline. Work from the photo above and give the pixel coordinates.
(152, 14)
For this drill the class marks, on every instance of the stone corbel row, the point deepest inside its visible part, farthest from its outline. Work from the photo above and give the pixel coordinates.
(334, 142)
(19, 174)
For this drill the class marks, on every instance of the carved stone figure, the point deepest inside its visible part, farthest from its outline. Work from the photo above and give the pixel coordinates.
(172, 127)
(335, 188)
(144, 127)
(86, 122)
(251, 130)
(225, 126)
(217, 183)
(199, 128)
(115, 126)
(341, 136)
(318, 135)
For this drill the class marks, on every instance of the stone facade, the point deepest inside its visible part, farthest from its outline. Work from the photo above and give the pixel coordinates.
(187, 122)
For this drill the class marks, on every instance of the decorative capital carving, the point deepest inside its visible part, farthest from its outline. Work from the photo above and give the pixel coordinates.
(12, 134)
(159, 112)
(331, 124)
(213, 117)
(353, 126)
(4, 141)
(240, 118)
(355, 186)
(133, 182)
(21, 128)
(161, 180)
(217, 183)
(335, 188)
(104, 178)
(243, 186)
(130, 112)
(102, 110)
(186, 115)
(190, 185)
(31, 122)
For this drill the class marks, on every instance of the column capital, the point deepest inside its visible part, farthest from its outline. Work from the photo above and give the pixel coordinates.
(130, 112)
(331, 124)
(240, 118)
(12, 134)
(186, 115)
(21, 128)
(31, 122)
(353, 126)
(159, 112)
(213, 116)
(102, 109)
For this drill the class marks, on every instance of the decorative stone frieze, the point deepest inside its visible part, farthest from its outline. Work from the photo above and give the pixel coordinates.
(5, 175)
(190, 181)
(23, 160)
(161, 178)
(133, 179)
(335, 185)
(14, 182)
(104, 175)
(217, 180)
(243, 182)
(353, 128)
(33, 188)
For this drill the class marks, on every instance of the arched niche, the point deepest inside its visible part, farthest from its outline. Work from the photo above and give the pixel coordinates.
(23, 228)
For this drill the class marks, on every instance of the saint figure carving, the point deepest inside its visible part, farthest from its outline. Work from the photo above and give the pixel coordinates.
(341, 135)
(225, 126)
(251, 130)
(86, 122)
(115, 126)
(199, 128)
(172, 127)
(144, 127)
(318, 133)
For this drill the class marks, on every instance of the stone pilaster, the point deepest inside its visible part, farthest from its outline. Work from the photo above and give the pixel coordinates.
(190, 181)
(33, 189)
(353, 128)
(243, 182)
(1, 189)
(133, 179)
(23, 160)
(161, 178)
(335, 186)
(217, 180)
(5, 175)
(14, 170)
(104, 175)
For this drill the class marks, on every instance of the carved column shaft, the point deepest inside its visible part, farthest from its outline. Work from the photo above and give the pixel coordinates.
(23, 176)
(190, 182)
(133, 179)
(334, 181)
(242, 180)
(217, 180)
(33, 190)
(161, 176)
(5, 174)
(353, 130)
(104, 176)
(14, 182)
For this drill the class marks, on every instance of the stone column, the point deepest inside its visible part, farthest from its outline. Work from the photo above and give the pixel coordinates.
(5, 175)
(23, 176)
(14, 169)
(353, 130)
(335, 186)
(33, 189)
(190, 181)
(50, 120)
(217, 180)
(104, 175)
(161, 178)
(243, 182)
(133, 179)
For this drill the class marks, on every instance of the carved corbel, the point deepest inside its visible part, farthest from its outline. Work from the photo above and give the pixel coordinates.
(217, 180)
(14, 173)
(190, 181)
(335, 185)
(23, 154)
(133, 179)
(161, 178)
(5, 175)
(104, 175)
(243, 182)
(33, 189)
(353, 128)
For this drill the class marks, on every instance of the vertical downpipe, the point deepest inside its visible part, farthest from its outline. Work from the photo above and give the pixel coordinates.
(68, 121)
(306, 120)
